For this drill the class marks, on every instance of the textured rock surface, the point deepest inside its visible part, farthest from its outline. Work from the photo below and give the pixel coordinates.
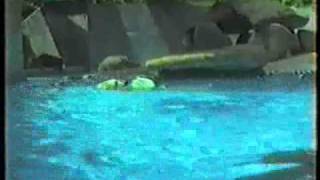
(239, 16)
(28, 53)
(280, 41)
(107, 35)
(228, 20)
(206, 36)
(143, 34)
(240, 57)
(38, 34)
(134, 31)
(307, 40)
(13, 42)
(174, 19)
(70, 37)
(80, 20)
(276, 38)
(295, 64)
(267, 11)
(307, 34)
(250, 37)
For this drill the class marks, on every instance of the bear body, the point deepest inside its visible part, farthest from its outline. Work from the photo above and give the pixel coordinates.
(115, 63)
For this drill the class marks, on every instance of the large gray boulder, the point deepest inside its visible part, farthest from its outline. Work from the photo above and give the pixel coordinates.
(241, 57)
(260, 12)
(28, 53)
(280, 41)
(174, 19)
(307, 40)
(307, 34)
(13, 42)
(296, 64)
(241, 15)
(103, 40)
(38, 35)
(68, 23)
(228, 20)
(144, 36)
(206, 36)
(168, 29)
(283, 41)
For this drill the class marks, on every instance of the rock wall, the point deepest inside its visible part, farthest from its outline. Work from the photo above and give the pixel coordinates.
(13, 42)
(168, 29)
(37, 39)
(107, 34)
(83, 34)
(209, 36)
(138, 31)
(67, 22)
(143, 34)
(174, 20)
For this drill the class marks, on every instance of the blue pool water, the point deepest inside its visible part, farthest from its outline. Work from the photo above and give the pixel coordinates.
(77, 132)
